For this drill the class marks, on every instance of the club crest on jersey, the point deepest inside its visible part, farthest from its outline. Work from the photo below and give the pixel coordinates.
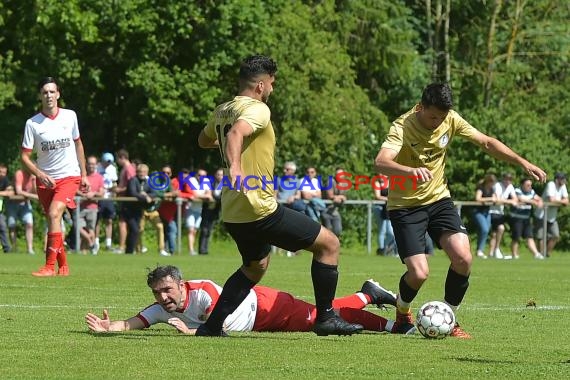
(443, 140)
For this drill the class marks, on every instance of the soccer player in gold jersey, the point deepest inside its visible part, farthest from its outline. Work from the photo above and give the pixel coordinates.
(242, 130)
(416, 149)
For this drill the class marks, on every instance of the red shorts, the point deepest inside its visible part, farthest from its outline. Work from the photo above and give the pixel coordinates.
(64, 191)
(280, 311)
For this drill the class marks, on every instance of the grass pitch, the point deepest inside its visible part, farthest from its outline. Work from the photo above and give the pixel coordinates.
(44, 336)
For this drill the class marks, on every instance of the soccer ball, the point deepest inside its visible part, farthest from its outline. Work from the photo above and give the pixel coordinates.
(435, 320)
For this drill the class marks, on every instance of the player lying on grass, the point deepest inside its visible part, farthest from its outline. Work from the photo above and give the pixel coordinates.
(187, 304)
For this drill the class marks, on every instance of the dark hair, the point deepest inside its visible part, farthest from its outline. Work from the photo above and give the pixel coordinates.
(45, 81)
(122, 153)
(256, 65)
(438, 95)
(3, 165)
(160, 273)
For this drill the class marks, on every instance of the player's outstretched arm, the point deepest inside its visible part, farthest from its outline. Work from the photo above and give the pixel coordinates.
(96, 324)
(502, 152)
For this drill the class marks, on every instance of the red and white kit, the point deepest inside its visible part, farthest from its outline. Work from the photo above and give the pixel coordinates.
(53, 138)
(264, 309)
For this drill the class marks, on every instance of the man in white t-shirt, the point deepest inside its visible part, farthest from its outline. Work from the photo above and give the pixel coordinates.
(59, 169)
(187, 304)
(505, 193)
(557, 194)
(107, 210)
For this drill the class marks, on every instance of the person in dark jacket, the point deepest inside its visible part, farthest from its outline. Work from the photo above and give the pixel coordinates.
(139, 188)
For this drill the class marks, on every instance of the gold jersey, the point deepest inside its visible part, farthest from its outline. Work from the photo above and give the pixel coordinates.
(421, 147)
(257, 159)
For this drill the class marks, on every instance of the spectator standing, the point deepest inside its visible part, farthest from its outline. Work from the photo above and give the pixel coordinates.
(167, 212)
(25, 186)
(60, 168)
(202, 193)
(505, 193)
(139, 188)
(89, 207)
(211, 212)
(6, 190)
(485, 193)
(521, 225)
(556, 193)
(386, 240)
(331, 216)
(128, 171)
(107, 211)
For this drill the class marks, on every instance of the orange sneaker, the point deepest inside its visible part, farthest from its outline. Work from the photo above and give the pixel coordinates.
(458, 332)
(63, 271)
(44, 272)
(404, 318)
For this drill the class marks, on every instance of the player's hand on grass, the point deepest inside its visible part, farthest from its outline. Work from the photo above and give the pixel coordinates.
(97, 324)
(180, 326)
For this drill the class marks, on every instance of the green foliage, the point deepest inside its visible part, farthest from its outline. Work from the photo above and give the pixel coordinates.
(146, 74)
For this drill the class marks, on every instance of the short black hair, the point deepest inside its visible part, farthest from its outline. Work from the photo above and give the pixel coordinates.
(161, 272)
(255, 65)
(47, 80)
(438, 95)
(122, 153)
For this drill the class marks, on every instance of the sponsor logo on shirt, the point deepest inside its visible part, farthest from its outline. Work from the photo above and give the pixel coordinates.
(55, 144)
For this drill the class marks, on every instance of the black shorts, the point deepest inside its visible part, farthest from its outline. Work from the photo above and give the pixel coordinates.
(520, 228)
(497, 220)
(106, 210)
(411, 224)
(285, 228)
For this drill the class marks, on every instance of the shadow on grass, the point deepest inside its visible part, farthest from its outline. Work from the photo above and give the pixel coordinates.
(140, 335)
(485, 361)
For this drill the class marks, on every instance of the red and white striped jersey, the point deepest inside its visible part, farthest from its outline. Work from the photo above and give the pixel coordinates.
(53, 138)
(201, 297)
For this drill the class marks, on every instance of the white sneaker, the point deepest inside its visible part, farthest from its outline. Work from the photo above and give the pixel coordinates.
(164, 253)
(498, 254)
(144, 249)
(193, 253)
(481, 255)
(539, 256)
(508, 257)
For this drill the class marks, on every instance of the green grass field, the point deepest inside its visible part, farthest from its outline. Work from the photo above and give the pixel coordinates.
(44, 336)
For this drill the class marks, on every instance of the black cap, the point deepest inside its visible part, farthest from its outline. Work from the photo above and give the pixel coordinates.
(560, 175)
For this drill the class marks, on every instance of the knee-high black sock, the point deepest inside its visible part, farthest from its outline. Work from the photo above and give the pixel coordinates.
(455, 287)
(325, 278)
(407, 293)
(235, 290)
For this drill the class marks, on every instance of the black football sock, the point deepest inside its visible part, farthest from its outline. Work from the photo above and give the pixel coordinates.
(407, 293)
(455, 287)
(235, 290)
(325, 278)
